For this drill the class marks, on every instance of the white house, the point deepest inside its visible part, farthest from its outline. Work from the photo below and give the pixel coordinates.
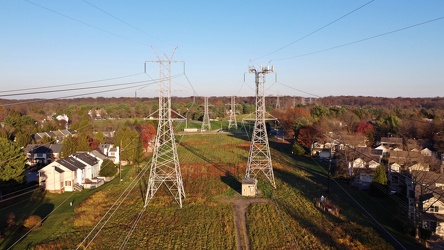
(395, 167)
(433, 213)
(373, 164)
(358, 163)
(426, 152)
(420, 167)
(64, 175)
(385, 150)
(110, 151)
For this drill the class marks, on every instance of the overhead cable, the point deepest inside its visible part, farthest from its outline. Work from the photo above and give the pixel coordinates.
(69, 84)
(87, 24)
(122, 21)
(311, 33)
(361, 40)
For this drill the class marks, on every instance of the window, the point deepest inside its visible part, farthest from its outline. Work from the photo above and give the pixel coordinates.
(433, 209)
(67, 183)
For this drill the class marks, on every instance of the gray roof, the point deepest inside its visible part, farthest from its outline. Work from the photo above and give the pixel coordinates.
(43, 148)
(71, 163)
(99, 154)
(86, 158)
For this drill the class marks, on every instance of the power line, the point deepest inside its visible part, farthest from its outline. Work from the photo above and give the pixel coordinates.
(361, 40)
(70, 96)
(311, 33)
(122, 21)
(69, 84)
(73, 89)
(87, 24)
(299, 90)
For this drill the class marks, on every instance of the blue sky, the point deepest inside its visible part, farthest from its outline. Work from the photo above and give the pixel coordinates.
(47, 42)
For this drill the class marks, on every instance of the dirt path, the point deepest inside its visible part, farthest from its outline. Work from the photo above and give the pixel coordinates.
(240, 206)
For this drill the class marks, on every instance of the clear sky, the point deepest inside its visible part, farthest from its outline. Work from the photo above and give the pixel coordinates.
(318, 48)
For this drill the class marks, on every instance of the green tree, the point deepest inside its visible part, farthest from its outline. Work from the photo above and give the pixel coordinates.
(21, 126)
(69, 146)
(131, 143)
(107, 169)
(12, 163)
(83, 142)
(380, 175)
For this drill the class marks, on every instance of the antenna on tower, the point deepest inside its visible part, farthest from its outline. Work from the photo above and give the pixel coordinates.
(165, 167)
(259, 159)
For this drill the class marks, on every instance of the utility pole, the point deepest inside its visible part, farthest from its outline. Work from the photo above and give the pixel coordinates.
(165, 167)
(259, 159)
(206, 125)
(120, 161)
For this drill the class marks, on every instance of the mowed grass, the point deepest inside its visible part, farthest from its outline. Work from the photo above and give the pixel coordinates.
(212, 167)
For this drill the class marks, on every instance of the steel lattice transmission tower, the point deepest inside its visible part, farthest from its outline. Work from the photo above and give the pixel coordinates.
(278, 103)
(206, 125)
(232, 121)
(165, 167)
(259, 159)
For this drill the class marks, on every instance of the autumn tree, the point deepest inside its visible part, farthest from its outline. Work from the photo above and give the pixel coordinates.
(287, 118)
(308, 135)
(147, 134)
(12, 162)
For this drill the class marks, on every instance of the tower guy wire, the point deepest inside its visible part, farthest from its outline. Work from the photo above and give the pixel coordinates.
(165, 166)
(259, 159)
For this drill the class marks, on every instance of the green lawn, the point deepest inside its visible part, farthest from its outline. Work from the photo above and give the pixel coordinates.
(212, 167)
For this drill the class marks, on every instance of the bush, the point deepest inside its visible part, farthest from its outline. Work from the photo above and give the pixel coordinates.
(32, 221)
(297, 149)
(11, 219)
(108, 168)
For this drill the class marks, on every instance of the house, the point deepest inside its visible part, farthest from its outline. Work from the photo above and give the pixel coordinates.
(419, 166)
(64, 175)
(428, 191)
(93, 164)
(42, 154)
(372, 164)
(363, 178)
(358, 163)
(249, 187)
(391, 142)
(385, 150)
(403, 157)
(110, 151)
(57, 135)
(395, 167)
(426, 152)
(432, 208)
(325, 154)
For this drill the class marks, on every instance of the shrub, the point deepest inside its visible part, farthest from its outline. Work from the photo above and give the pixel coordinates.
(11, 219)
(32, 221)
(298, 149)
(108, 168)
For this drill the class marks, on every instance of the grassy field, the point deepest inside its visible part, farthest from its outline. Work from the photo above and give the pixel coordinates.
(212, 167)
